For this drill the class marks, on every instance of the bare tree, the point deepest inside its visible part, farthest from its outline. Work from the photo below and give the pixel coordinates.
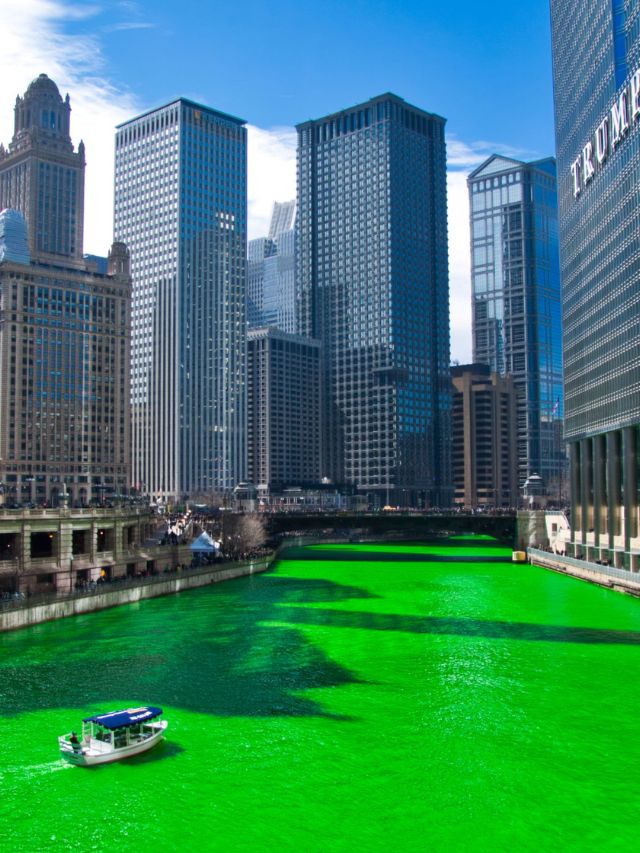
(242, 535)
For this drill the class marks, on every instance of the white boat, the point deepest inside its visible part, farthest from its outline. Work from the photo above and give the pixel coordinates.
(113, 736)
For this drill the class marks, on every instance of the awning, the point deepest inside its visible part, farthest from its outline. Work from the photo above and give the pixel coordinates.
(130, 717)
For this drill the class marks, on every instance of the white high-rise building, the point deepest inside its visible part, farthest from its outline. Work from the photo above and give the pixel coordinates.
(181, 207)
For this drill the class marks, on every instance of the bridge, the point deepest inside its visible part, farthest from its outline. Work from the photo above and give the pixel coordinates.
(409, 525)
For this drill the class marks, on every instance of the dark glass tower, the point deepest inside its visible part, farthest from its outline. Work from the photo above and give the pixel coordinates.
(515, 281)
(41, 175)
(372, 284)
(596, 66)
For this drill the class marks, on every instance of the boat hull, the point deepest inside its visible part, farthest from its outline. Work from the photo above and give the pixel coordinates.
(92, 754)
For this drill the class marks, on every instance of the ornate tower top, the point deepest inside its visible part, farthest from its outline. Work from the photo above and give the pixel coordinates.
(42, 176)
(41, 115)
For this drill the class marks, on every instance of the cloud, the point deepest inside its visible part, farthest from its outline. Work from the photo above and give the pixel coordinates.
(468, 155)
(271, 173)
(130, 25)
(459, 266)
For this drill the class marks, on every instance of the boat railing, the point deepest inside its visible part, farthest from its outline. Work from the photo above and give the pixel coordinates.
(96, 745)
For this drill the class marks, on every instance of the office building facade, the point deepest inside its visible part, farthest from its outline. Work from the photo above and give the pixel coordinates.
(284, 413)
(283, 218)
(372, 284)
(181, 207)
(484, 438)
(271, 294)
(64, 375)
(41, 174)
(64, 335)
(516, 311)
(596, 67)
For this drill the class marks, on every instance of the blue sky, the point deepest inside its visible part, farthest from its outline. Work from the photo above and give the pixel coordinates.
(485, 67)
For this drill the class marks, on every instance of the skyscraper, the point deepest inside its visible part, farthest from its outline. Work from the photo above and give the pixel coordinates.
(271, 297)
(284, 418)
(596, 68)
(64, 356)
(64, 339)
(41, 175)
(373, 287)
(181, 206)
(483, 426)
(282, 218)
(515, 280)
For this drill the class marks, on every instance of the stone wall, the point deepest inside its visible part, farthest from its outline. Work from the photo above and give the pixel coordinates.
(73, 606)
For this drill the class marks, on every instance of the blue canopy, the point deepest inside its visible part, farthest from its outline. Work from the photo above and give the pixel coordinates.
(130, 717)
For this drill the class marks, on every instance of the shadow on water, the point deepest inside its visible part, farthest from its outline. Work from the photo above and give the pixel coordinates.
(208, 652)
(360, 553)
(463, 627)
(235, 649)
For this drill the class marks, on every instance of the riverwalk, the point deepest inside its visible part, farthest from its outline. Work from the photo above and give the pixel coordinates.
(21, 612)
(609, 576)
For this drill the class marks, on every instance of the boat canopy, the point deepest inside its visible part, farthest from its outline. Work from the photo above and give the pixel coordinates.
(130, 717)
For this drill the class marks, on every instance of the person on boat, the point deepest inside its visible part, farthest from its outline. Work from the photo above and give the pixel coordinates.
(73, 740)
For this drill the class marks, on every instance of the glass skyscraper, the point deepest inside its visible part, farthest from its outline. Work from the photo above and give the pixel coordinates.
(372, 283)
(271, 296)
(596, 66)
(515, 281)
(181, 207)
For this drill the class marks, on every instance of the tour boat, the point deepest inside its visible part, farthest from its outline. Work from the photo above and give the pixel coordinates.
(113, 736)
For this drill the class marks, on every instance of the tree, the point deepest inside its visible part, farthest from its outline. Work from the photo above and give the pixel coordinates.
(242, 535)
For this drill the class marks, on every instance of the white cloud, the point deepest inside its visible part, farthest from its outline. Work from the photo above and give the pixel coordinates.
(468, 155)
(271, 174)
(459, 267)
(129, 25)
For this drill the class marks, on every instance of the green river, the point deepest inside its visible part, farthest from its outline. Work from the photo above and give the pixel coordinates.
(355, 698)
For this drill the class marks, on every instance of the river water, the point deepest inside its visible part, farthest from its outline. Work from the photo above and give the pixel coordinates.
(355, 698)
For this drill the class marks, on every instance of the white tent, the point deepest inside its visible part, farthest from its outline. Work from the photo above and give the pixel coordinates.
(204, 544)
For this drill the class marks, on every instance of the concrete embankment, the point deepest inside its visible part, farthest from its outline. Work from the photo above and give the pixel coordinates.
(79, 604)
(612, 578)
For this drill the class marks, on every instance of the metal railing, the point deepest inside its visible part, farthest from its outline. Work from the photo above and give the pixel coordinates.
(21, 601)
(584, 565)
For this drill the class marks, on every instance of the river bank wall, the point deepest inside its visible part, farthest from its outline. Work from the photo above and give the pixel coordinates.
(608, 576)
(25, 615)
